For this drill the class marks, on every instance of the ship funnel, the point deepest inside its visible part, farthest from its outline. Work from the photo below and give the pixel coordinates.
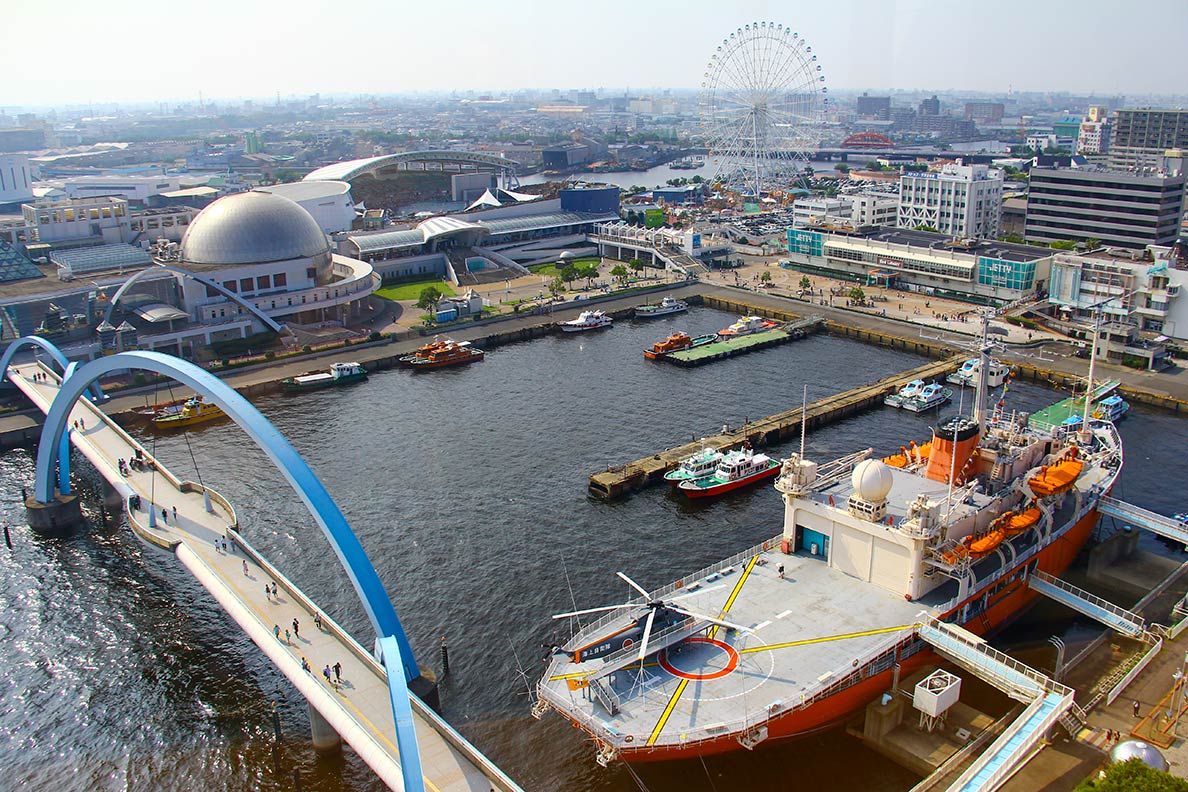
(952, 447)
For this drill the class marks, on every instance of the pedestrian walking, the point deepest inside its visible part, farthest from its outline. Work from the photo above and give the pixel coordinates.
(326, 673)
(317, 620)
(216, 544)
(245, 572)
(267, 593)
(305, 665)
(274, 588)
(289, 641)
(276, 631)
(337, 671)
(224, 545)
(175, 514)
(780, 570)
(1136, 708)
(165, 515)
(296, 627)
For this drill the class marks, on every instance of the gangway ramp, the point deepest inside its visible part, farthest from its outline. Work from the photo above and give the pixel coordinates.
(1048, 702)
(1113, 616)
(1006, 754)
(1148, 520)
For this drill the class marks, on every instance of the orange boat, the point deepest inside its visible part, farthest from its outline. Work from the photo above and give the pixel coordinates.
(675, 343)
(1054, 479)
(450, 354)
(425, 351)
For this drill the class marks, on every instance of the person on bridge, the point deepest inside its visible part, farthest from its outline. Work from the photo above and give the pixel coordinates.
(276, 631)
(245, 570)
(296, 628)
(175, 514)
(326, 673)
(267, 593)
(337, 671)
(165, 515)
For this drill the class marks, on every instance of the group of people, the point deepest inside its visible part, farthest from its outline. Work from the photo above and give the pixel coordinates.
(332, 673)
(39, 376)
(137, 462)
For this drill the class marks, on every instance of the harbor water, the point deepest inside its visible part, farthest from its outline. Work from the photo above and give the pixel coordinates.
(467, 488)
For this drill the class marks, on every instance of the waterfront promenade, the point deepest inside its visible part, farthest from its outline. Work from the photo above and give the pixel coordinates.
(285, 626)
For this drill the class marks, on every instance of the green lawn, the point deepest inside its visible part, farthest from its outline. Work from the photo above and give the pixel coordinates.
(547, 269)
(412, 291)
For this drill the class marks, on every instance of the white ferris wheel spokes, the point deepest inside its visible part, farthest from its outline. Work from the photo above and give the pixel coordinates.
(763, 101)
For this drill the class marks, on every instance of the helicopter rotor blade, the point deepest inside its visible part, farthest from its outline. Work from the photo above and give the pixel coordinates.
(647, 634)
(635, 585)
(602, 609)
(712, 619)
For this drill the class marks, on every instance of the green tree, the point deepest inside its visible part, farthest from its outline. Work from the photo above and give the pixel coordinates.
(429, 297)
(857, 295)
(926, 227)
(556, 286)
(569, 273)
(286, 175)
(1092, 244)
(619, 272)
(636, 265)
(915, 167)
(842, 167)
(765, 277)
(1132, 776)
(805, 283)
(1064, 244)
(589, 272)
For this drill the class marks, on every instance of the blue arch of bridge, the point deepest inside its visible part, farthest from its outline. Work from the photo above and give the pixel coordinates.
(303, 481)
(205, 281)
(47, 347)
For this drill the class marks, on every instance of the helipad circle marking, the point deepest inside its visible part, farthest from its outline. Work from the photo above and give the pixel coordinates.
(731, 662)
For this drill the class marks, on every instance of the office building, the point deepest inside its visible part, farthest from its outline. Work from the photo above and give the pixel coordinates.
(1140, 137)
(16, 179)
(1139, 289)
(984, 112)
(873, 209)
(1094, 137)
(930, 107)
(812, 211)
(874, 107)
(961, 200)
(1118, 209)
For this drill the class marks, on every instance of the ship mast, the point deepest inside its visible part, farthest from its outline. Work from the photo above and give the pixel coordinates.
(982, 389)
(1089, 380)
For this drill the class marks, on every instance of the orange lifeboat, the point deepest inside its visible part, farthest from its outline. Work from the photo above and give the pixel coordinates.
(985, 544)
(908, 456)
(1021, 521)
(1054, 479)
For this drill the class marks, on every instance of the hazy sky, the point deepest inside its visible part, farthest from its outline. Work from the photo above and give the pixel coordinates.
(135, 50)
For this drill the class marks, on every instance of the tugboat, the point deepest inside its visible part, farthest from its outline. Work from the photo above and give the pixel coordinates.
(747, 325)
(449, 354)
(736, 469)
(909, 391)
(932, 396)
(338, 374)
(676, 342)
(193, 411)
(587, 320)
(424, 350)
(697, 466)
(665, 307)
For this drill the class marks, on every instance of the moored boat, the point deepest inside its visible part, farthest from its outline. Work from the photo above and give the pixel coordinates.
(967, 376)
(694, 467)
(930, 397)
(747, 325)
(194, 410)
(452, 353)
(909, 391)
(668, 305)
(823, 615)
(676, 342)
(586, 320)
(337, 374)
(736, 469)
(424, 350)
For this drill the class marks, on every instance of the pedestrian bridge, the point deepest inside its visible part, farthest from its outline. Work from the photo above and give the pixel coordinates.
(1143, 518)
(369, 704)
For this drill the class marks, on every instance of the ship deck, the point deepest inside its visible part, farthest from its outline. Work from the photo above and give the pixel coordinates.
(808, 625)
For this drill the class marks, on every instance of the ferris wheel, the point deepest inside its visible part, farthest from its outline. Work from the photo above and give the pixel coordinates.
(763, 102)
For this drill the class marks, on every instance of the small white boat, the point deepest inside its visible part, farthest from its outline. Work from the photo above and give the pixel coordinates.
(698, 466)
(909, 391)
(668, 305)
(587, 320)
(747, 325)
(967, 375)
(1112, 408)
(931, 397)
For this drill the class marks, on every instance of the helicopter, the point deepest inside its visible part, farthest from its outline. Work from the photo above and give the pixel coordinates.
(660, 615)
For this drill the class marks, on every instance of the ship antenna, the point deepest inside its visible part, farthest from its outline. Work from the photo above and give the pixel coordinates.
(1092, 364)
(983, 373)
(803, 418)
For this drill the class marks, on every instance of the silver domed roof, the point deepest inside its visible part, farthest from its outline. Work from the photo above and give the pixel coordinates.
(1137, 749)
(252, 228)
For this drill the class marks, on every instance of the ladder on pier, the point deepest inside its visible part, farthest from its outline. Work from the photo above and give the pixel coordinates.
(1048, 703)
(1113, 616)
(1143, 518)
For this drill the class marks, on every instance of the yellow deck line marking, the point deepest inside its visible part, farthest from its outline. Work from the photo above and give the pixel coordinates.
(667, 711)
(581, 674)
(676, 696)
(825, 638)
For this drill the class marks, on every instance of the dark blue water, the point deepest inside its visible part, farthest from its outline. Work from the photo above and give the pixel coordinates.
(467, 487)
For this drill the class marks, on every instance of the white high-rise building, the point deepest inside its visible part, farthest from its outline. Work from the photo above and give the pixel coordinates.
(810, 211)
(874, 209)
(961, 200)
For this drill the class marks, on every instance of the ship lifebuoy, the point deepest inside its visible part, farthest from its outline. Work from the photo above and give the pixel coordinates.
(855, 664)
(765, 545)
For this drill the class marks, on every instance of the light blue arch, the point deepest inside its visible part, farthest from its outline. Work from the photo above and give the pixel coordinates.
(303, 481)
(51, 350)
(205, 281)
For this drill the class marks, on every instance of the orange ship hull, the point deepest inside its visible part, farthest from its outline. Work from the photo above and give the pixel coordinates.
(1005, 606)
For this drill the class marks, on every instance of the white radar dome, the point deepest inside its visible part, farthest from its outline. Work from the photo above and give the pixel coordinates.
(1137, 749)
(871, 479)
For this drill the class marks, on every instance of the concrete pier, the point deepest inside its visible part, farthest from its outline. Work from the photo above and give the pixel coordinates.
(63, 513)
(622, 480)
(325, 739)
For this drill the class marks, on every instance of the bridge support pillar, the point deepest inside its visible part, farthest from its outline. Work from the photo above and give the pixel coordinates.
(425, 688)
(325, 739)
(63, 513)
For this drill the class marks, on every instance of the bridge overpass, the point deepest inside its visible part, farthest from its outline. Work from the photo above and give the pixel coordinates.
(401, 738)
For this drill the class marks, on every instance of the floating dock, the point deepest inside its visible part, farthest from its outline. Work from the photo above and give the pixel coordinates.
(621, 480)
(740, 345)
(1061, 411)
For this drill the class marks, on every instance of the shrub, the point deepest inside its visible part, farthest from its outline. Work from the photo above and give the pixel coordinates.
(374, 336)
(269, 355)
(307, 348)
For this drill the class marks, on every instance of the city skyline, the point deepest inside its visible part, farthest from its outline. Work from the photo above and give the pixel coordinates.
(234, 51)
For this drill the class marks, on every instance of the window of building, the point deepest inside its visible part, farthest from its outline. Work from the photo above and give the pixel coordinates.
(280, 279)
(230, 286)
(311, 273)
(245, 284)
(263, 282)
(211, 291)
